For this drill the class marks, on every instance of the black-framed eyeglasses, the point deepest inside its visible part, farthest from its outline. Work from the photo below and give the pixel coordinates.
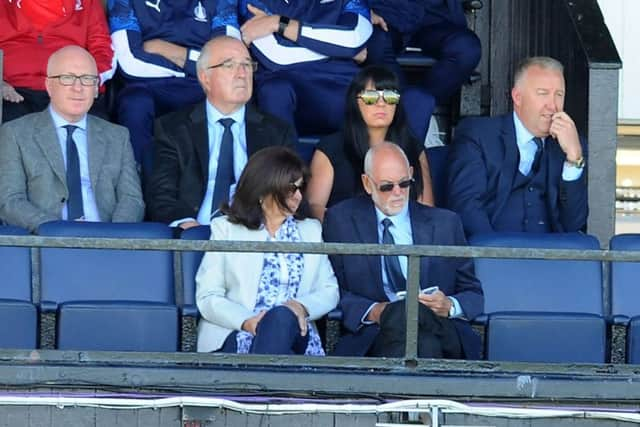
(372, 96)
(70, 79)
(231, 65)
(388, 186)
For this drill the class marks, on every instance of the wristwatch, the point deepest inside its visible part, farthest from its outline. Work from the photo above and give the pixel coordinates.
(579, 163)
(283, 24)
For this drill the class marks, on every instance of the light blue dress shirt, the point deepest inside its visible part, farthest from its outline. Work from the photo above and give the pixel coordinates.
(89, 205)
(527, 149)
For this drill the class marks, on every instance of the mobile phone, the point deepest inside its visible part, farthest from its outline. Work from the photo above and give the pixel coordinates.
(430, 290)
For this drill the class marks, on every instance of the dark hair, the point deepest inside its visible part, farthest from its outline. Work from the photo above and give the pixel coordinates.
(356, 135)
(270, 171)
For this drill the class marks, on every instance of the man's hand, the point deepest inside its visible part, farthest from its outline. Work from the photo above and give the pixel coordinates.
(188, 224)
(361, 56)
(259, 25)
(10, 94)
(171, 51)
(438, 302)
(564, 130)
(301, 314)
(376, 312)
(378, 20)
(251, 324)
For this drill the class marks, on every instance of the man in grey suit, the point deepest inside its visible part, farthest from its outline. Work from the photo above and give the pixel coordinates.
(64, 164)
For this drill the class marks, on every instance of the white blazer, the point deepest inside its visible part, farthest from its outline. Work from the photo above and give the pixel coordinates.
(227, 283)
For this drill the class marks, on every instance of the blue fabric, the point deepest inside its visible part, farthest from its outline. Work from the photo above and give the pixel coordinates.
(274, 291)
(525, 209)
(140, 102)
(182, 22)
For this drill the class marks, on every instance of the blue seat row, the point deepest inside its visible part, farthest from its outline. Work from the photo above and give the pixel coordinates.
(535, 310)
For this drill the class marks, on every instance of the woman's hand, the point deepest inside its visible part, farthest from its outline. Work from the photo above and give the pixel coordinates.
(251, 324)
(301, 314)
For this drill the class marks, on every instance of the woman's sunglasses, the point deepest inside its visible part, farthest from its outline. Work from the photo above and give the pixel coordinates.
(371, 97)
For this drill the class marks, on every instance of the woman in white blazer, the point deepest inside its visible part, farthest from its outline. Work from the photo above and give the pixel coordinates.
(265, 303)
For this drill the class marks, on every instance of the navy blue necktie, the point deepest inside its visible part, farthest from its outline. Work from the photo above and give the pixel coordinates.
(224, 175)
(74, 185)
(535, 166)
(391, 263)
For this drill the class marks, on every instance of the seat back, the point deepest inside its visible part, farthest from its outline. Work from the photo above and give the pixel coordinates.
(190, 264)
(99, 274)
(16, 307)
(540, 285)
(625, 286)
(110, 299)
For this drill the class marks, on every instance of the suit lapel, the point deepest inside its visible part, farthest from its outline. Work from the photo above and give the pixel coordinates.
(422, 231)
(199, 133)
(47, 139)
(363, 219)
(510, 164)
(96, 148)
(253, 128)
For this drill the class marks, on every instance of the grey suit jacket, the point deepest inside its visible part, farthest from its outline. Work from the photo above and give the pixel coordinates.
(33, 186)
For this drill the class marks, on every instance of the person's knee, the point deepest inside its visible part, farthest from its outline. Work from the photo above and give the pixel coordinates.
(418, 105)
(464, 47)
(280, 317)
(134, 102)
(276, 91)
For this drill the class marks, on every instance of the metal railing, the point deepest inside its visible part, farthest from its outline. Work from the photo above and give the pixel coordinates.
(205, 371)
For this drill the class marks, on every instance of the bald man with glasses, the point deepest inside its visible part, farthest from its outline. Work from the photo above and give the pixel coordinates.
(373, 288)
(201, 151)
(63, 163)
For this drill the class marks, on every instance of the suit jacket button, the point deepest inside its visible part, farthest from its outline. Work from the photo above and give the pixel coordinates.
(530, 188)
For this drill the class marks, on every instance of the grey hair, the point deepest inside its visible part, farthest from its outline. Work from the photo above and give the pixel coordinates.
(544, 62)
(371, 153)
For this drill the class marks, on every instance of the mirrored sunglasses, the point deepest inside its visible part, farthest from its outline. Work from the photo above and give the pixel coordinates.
(370, 96)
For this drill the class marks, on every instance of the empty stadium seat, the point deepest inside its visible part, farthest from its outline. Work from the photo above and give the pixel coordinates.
(110, 299)
(625, 293)
(553, 307)
(17, 312)
(190, 263)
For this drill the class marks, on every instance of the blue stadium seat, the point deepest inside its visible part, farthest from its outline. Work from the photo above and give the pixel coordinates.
(556, 305)
(625, 293)
(547, 337)
(190, 263)
(437, 157)
(17, 312)
(110, 299)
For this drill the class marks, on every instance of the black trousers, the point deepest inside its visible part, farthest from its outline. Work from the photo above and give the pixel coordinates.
(437, 336)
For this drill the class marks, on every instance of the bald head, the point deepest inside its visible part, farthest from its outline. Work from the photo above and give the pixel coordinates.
(386, 164)
(72, 82)
(229, 84)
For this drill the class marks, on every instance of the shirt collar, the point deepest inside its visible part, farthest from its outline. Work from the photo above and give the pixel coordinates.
(523, 136)
(400, 217)
(59, 121)
(213, 114)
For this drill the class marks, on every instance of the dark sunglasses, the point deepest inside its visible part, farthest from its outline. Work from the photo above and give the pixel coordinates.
(371, 97)
(388, 186)
(293, 187)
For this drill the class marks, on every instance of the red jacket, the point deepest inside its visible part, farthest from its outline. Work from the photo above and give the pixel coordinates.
(26, 50)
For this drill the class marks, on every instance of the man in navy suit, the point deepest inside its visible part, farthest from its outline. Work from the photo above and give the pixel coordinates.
(372, 286)
(523, 171)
